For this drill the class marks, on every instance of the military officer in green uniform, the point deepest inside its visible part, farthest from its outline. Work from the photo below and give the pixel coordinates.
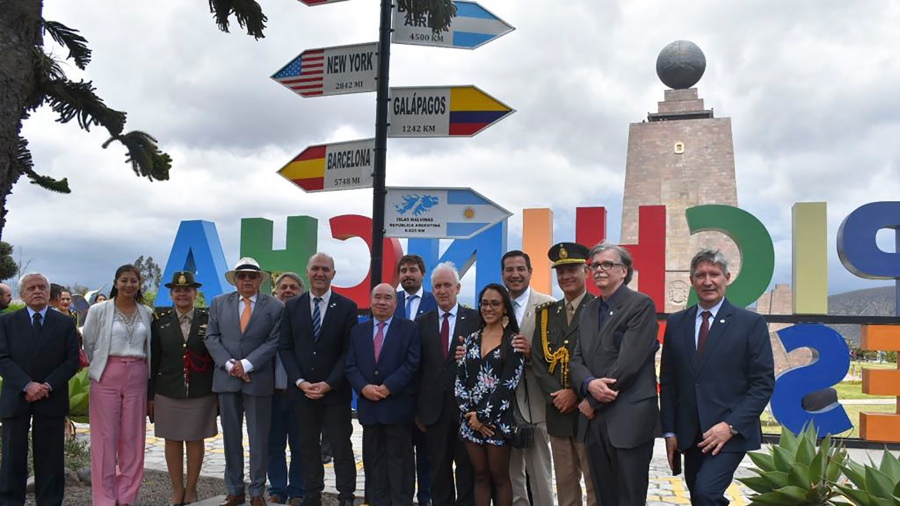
(555, 335)
(182, 404)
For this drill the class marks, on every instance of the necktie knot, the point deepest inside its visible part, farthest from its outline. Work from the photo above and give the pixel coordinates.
(380, 326)
(317, 299)
(706, 315)
(37, 317)
(446, 315)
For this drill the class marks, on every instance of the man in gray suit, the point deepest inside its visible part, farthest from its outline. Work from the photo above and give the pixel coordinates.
(242, 337)
(614, 368)
(516, 272)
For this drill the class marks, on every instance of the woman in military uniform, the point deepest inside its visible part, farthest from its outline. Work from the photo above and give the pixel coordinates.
(182, 404)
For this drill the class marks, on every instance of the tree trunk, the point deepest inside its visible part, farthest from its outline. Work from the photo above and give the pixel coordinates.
(19, 37)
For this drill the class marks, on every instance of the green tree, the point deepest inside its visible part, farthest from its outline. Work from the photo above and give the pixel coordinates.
(31, 77)
(151, 274)
(8, 266)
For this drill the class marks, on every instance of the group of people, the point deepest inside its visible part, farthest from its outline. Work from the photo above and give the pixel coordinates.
(481, 404)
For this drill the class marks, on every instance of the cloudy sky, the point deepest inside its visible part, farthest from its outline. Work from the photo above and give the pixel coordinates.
(810, 85)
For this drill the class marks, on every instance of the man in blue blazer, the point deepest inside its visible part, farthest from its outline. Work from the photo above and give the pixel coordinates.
(38, 356)
(315, 333)
(382, 361)
(716, 377)
(412, 302)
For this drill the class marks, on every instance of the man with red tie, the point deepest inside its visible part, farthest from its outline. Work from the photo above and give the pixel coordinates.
(382, 362)
(716, 377)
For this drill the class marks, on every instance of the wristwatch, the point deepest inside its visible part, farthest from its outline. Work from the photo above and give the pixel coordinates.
(734, 431)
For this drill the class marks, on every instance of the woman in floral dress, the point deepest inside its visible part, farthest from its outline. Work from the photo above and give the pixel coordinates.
(486, 382)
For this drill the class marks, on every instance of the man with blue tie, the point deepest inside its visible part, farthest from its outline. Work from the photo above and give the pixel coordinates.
(315, 333)
(382, 362)
(38, 355)
(716, 377)
(412, 302)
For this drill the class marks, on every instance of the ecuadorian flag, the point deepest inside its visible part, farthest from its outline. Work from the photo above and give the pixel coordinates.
(472, 110)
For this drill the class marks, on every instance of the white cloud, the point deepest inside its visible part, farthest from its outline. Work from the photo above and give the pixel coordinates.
(810, 87)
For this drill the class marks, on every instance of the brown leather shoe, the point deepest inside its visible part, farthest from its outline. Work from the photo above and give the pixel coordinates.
(257, 501)
(276, 499)
(233, 500)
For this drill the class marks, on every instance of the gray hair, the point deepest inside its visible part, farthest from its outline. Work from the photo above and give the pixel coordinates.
(712, 256)
(292, 275)
(21, 286)
(624, 256)
(445, 266)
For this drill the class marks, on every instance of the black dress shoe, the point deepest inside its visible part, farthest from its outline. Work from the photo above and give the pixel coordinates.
(345, 502)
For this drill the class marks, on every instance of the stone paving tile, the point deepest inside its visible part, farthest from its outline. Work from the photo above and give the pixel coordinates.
(664, 489)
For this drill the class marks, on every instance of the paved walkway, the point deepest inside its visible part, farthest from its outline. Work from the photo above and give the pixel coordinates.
(664, 488)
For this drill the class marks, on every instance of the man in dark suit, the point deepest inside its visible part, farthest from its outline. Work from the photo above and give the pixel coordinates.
(412, 302)
(382, 361)
(555, 336)
(614, 366)
(242, 338)
(716, 377)
(315, 334)
(438, 413)
(38, 356)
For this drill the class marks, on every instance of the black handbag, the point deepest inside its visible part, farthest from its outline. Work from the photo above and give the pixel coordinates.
(523, 433)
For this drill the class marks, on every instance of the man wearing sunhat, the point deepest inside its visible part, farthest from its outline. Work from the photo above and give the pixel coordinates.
(555, 334)
(242, 338)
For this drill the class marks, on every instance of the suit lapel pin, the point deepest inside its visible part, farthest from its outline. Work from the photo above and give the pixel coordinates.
(611, 313)
(722, 321)
(333, 304)
(558, 309)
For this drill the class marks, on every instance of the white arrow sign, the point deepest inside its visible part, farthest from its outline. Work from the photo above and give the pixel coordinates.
(439, 213)
(331, 70)
(472, 27)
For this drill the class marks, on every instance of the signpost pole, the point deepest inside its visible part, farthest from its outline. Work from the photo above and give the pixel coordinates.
(382, 99)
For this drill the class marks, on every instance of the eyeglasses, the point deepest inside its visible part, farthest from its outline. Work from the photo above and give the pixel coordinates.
(605, 266)
(491, 303)
(246, 275)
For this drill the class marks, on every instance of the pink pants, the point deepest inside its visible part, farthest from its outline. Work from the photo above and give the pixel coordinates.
(118, 431)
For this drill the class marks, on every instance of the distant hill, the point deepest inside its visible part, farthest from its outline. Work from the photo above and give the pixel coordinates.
(868, 302)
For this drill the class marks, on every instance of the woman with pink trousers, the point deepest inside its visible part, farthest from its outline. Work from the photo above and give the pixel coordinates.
(117, 343)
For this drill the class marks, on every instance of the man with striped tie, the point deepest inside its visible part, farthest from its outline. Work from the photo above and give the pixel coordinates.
(315, 333)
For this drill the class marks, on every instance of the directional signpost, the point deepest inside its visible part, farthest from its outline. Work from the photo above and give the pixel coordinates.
(335, 166)
(448, 111)
(331, 71)
(453, 111)
(439, 213)
(472, 27)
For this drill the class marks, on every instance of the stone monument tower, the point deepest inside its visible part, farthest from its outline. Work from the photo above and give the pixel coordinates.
(680, 157)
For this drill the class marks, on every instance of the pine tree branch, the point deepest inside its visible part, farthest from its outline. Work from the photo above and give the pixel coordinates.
(77, 100)
(144, 155)
(248, 14)
(69, 37)
(25, 165)
(438, 13)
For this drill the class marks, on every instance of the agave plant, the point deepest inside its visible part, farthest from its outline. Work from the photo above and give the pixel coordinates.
(796, 472)
(79, 396)
(873, 485)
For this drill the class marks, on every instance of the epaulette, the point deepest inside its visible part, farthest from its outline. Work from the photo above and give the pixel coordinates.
(162, 312)
(545, 305)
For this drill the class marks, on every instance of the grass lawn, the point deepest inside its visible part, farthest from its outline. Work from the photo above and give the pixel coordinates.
(770, 426)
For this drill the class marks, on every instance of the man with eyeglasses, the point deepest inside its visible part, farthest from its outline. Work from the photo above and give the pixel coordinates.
(536, 460)
(242, 338)
(614, 368)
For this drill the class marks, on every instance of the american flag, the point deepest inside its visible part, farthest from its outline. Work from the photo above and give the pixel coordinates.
(304, 73)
